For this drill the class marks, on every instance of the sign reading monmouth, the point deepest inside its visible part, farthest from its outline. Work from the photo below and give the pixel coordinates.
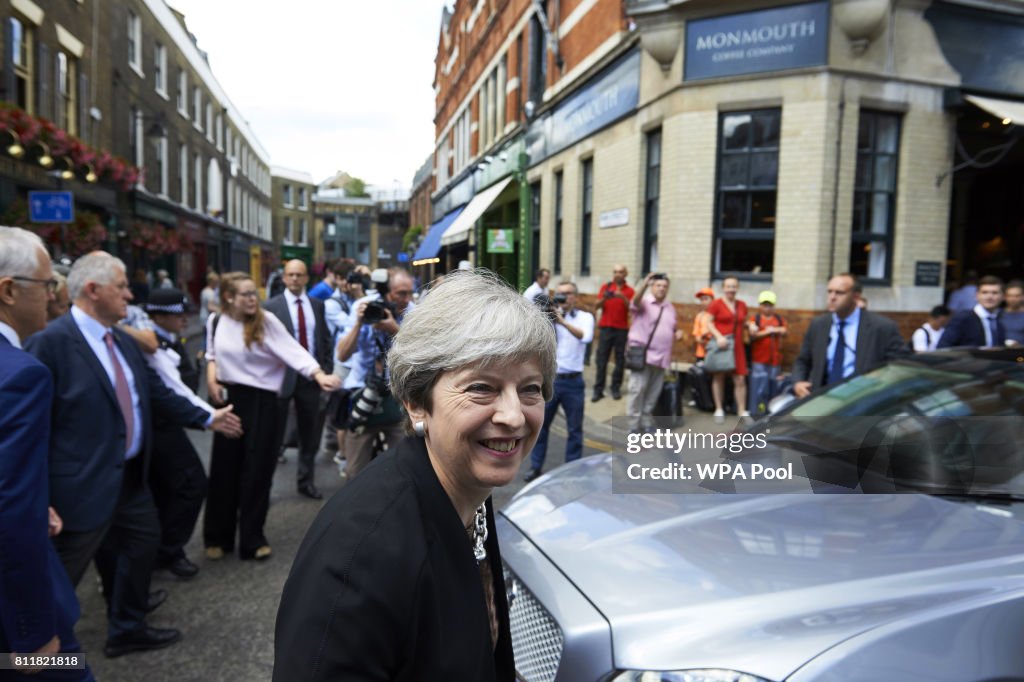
(768, 40)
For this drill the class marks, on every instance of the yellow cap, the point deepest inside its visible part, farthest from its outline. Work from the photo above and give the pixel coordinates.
(766, 297)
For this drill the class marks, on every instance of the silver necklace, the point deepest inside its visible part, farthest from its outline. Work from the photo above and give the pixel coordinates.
(480, 533)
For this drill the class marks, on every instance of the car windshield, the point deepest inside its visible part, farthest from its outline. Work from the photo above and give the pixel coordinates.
(946, 425)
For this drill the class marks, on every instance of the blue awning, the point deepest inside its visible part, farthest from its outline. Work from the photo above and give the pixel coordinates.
(431, 244)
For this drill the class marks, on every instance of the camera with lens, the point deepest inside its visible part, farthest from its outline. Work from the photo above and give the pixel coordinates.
(357, 278)
(366, 400)
(608, 291)
(376, 311)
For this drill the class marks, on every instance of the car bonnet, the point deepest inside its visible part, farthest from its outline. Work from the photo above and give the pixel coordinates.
(760, 584)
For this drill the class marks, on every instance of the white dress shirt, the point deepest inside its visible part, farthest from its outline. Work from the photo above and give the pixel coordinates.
(8, 333)
(94, 331)
(166, 362)
(570, 350)
(532, 291)
(307, 312)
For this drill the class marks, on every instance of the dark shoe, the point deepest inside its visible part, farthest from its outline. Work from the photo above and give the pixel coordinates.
(309, 490)
(156, 598)
(143, 639)
(597, 396)
(616, 394)
(183, 568)
(533, 475)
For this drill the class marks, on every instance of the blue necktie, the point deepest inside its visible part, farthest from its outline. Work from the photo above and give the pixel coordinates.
(994, 329)
(835, 373)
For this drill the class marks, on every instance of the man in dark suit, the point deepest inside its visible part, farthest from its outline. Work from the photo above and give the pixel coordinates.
(38, 607)
(848, 340)
(983, 324)
(303, 317)
(105, 396)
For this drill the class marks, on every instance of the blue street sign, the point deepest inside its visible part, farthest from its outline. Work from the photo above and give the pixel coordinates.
(51, 207)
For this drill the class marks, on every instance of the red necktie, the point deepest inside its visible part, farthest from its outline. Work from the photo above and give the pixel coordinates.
(302, 325)
(124, 395)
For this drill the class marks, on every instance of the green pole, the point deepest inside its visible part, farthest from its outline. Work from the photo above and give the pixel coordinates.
(525, 232)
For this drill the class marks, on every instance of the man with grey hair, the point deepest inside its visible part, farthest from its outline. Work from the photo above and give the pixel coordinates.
(366, 341)
(104, 400)
(38, 607)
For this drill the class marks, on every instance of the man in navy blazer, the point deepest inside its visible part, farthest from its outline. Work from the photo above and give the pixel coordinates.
(316, 338)
(982, 325)
(847, 340)
(38, 607)
(105, 395)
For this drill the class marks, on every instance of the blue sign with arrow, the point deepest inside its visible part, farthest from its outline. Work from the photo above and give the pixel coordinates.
(51, 207)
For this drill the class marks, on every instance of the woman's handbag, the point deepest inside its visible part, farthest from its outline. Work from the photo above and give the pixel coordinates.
(636, 355)
(720, 359)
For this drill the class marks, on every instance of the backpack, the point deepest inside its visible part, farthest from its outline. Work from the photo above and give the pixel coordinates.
(927, 338)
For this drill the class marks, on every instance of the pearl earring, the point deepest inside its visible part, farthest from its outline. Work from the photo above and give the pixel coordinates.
(420, 429)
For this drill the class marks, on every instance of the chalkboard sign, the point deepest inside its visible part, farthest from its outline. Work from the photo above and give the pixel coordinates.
(927, 273)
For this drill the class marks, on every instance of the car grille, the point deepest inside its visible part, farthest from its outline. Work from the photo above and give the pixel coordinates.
(536, 638)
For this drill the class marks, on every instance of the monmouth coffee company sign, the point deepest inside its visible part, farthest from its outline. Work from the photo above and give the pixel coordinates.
(753, 42)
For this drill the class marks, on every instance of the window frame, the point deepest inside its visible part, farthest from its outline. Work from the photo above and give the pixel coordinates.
(25, 72)
(181, 99)
(559, 210)
(586, 214)
(160, 70)
(861, 236)
(747, 233)
(134, 31)
(652, 204)
(286, 230)
(183, 186)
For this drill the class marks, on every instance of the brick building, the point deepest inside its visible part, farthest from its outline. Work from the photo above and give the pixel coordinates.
(128, 80)
(294, 216)
(773, 141)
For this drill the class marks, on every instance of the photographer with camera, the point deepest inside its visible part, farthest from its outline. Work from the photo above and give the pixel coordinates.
(375, 417)
(613, 301)
(574, 329)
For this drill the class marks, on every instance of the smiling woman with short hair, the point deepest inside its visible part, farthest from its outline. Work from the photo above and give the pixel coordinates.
(400, 577)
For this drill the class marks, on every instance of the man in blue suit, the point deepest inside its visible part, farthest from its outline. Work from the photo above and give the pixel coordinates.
(105, 395)
(982, 325)
(38, 608)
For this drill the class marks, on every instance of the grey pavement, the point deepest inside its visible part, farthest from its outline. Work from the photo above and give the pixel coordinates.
(227, 613)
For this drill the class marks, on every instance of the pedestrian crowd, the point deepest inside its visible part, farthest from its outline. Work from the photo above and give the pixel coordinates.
(97, 388)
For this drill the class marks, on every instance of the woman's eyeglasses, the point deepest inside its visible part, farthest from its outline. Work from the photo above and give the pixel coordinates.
(51, 284)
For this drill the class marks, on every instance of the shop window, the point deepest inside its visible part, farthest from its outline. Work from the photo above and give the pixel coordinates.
(748, 170)
(134, 41)
(19, 55)
(874, 194)
(558, 223)
(535, 226)
(652, 194)
(588, 215)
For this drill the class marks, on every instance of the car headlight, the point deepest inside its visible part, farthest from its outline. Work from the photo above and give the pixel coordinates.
(705, 675)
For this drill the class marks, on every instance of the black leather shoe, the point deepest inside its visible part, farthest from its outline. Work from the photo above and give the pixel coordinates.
(183, 568)
(156, 598)
(532, 475)
(143, 639)
(616, 394)
(597, 396)
(309, 490)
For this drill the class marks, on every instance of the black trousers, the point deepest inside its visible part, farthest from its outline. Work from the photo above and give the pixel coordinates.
(611, 338)
(178, 482)
(309, 423)
(241, 474)
(124, 551)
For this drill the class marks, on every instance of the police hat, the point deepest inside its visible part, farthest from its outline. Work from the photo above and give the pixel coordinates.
(169, 301)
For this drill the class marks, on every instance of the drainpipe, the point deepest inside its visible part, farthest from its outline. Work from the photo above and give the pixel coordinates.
(835, 178)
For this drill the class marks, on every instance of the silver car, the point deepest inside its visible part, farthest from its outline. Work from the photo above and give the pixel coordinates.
(741, 588)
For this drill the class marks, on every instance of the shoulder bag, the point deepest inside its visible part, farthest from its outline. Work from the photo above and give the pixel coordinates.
(636, 355)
